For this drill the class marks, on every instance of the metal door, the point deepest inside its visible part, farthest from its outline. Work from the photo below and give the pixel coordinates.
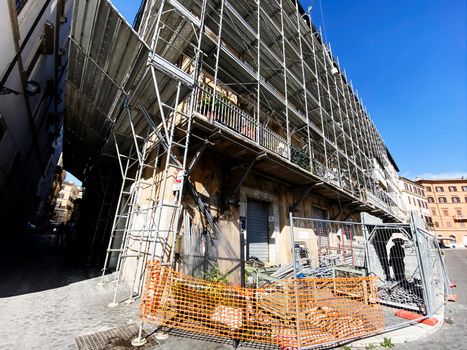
(257, 230)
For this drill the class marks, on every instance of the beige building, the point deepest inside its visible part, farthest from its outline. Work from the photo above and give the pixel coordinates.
(213, 168)
(66, 199)
(447, 201)
(414, 200)
(33, 58)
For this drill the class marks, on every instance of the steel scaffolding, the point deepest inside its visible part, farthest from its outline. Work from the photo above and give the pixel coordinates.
(259, 71)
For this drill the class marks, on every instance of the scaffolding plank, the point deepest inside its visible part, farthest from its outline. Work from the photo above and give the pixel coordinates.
(105, 52)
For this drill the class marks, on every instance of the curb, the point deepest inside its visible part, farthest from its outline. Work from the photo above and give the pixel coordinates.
(404, 335)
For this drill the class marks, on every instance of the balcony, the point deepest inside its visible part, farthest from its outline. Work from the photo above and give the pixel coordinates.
(460, 217)
(222, 110)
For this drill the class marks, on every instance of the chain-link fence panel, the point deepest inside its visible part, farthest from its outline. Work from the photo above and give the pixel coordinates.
(392, 257)
(437, 284)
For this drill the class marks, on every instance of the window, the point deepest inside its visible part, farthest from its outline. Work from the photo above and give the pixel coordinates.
(431, 200)
(448, 224)
(423, 193)
(419, 203)
(459, 212)
(442, 199)
(410, 202)
(428, 188)
(406, 186)
(445, 212)
(464, 188)
(20, 4)
(456, 199)
(433, 211)
(439, 189)
(436, 224)
(465, 199)
(425, 205)
(452, 189)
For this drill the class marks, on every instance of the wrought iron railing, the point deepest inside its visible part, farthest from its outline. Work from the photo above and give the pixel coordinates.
(219, 108)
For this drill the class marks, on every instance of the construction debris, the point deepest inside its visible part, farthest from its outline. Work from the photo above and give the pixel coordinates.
(409, 293)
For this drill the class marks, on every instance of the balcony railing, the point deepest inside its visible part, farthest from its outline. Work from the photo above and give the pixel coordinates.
(222, 110)
(460, 217)
(219, 108)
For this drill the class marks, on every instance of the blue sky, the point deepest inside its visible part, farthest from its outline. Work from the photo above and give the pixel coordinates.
(407, 59)
(70, 177)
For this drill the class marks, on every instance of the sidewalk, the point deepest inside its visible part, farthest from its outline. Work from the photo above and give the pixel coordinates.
(404, 335)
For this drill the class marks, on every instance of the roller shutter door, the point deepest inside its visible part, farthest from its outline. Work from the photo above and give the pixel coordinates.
(257, 230)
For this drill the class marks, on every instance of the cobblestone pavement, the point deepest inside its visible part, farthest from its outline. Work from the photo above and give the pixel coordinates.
(453, 334)
(45, 302)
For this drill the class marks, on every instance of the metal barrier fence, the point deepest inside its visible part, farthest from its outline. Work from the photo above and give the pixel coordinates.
(436, 278)
(345, 281)
(294, 314)
(405, 259)
(392, 255)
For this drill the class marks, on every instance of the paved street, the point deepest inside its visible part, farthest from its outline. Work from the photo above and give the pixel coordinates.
(47, 300)
(453, 334)
(45, 303)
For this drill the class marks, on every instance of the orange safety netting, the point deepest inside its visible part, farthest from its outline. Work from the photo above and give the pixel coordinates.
(290, 313)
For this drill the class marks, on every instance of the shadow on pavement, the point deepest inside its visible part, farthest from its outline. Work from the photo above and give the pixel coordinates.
(35, 262)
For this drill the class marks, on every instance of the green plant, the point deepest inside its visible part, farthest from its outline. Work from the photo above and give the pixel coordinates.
(370, 347)
(300, 158)
(346, 347)
(387, 343)
(214, 275)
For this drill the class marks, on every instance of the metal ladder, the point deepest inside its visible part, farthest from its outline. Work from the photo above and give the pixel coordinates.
(161, 221)
(128, 206)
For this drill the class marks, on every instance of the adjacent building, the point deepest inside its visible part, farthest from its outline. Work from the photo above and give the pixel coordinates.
(447, 202)
(65, 203)
(33, 59)
(414, 200)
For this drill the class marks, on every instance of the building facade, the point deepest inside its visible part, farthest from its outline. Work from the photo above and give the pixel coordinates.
(414, 201)
(447, 202)
(65, 202)
(215, 145)
(33, 58)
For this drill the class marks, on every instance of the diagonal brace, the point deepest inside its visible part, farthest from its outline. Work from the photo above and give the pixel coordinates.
(303, 196)
(247, 171)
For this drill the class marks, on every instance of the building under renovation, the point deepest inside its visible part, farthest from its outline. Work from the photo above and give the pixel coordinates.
(199, 129)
